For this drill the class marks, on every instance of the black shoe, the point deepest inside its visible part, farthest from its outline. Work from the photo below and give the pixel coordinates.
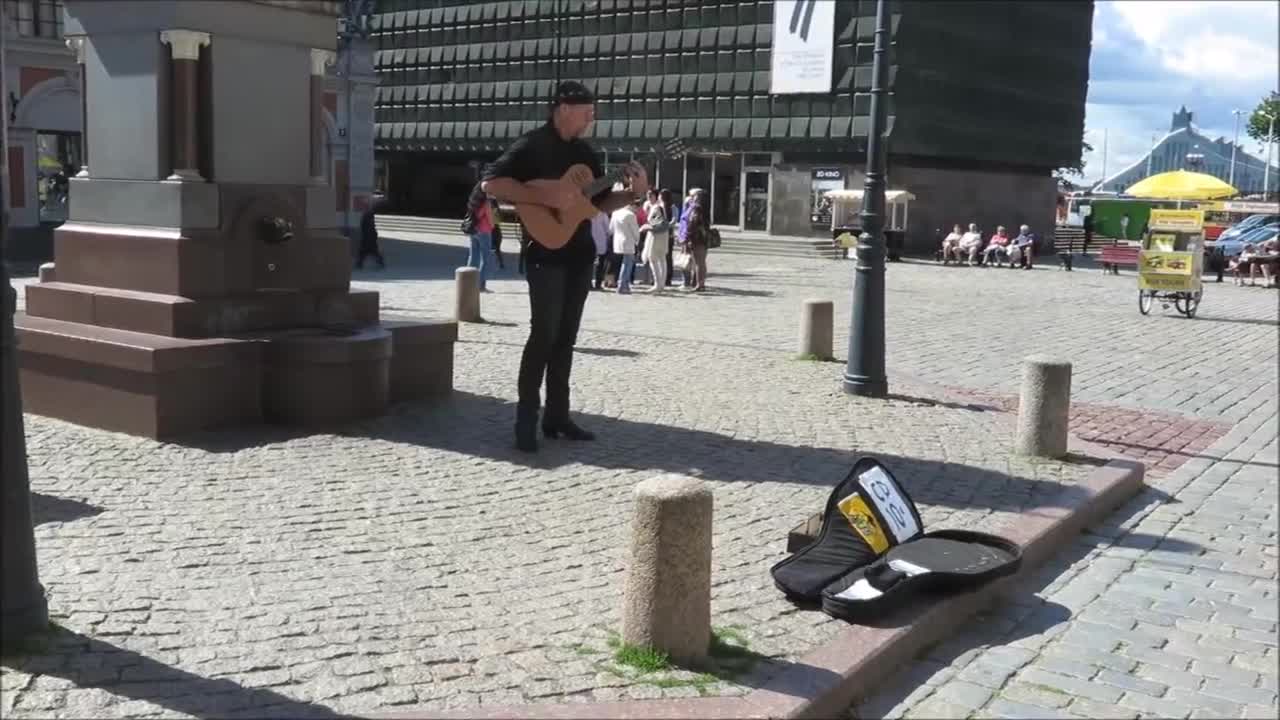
(527, 433)
(567, 429)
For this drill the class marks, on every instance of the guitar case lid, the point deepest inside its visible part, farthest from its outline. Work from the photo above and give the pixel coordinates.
(938, 561)
(866, 514)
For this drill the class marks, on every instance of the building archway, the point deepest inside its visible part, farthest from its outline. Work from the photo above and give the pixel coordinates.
(46, 149)
(53, 105)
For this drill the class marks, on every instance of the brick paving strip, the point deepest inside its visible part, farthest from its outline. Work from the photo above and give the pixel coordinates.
(1162, 440)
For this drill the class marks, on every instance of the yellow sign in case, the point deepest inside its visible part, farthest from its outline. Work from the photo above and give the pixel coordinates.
(855, 510)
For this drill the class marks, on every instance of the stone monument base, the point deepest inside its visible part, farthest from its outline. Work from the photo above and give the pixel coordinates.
(162, 387)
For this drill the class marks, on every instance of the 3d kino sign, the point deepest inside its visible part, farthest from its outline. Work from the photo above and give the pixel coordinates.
(803, 46)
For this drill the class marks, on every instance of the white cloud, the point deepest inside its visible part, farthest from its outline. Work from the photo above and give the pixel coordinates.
(1151, 57)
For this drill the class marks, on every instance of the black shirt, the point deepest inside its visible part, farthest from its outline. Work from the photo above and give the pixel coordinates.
(543, 155)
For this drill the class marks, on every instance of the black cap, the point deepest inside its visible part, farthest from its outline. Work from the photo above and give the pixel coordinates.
(572, 92)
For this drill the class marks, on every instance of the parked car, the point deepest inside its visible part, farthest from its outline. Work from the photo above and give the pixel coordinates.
(1232, 247)
(1248, 224)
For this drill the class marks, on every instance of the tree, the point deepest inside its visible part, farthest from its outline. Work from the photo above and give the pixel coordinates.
(1074, 170)
(1259, 123)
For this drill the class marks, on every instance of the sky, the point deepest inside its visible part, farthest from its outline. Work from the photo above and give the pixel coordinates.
(1150, 57)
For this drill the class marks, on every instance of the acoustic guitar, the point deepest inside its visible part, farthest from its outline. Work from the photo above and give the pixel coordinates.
(551, 228)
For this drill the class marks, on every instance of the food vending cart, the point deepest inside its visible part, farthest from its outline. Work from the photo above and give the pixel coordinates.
(846, 221)
(1171, 261)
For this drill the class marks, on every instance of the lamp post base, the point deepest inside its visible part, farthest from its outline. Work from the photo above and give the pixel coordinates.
(865, 386)
(17, 624)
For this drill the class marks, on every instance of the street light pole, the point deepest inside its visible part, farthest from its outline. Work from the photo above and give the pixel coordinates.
(864, 370)
(1266, 169)
(1231, 178)
(23, 607)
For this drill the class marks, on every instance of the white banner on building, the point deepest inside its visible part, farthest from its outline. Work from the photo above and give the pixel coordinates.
(804, 33)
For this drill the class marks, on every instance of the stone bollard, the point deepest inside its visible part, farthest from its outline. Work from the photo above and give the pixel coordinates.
(667, 600)
(816, 317)
(466, 294)
(1043, 407)
(47, 273)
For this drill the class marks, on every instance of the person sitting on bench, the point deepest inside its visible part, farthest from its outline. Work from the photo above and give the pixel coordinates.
(998, 246)
(1023, 249)
(951, 246)
(1266, 260)
(971, 243)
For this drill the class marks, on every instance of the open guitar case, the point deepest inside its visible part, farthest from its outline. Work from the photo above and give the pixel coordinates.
(872, 554)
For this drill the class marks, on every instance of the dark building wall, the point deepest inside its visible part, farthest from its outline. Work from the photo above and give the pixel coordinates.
(979, 85)
(958, 195)
(997, 82)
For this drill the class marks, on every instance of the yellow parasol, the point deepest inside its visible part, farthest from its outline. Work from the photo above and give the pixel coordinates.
(1181, 185)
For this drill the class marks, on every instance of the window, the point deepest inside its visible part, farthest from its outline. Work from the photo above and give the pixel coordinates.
(36, 18)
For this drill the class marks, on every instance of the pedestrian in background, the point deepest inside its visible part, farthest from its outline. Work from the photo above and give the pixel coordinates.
(625, 230)
(369, 240)
(478, 224)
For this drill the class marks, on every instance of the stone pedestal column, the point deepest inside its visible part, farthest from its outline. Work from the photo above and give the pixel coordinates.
(184, 102)
(320, 59)
(77, 45)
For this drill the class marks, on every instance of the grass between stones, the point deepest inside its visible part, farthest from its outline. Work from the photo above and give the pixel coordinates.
(729, 658)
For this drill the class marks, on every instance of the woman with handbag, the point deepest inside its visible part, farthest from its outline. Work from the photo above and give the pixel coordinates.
(698, 239)
(659, 245)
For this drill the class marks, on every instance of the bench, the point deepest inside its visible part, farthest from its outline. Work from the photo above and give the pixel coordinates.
(1113, 256)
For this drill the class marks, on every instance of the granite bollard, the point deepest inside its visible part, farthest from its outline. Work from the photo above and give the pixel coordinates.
(47, 272)
(1043, 405)
(816, 317)
(667, 599)
(466, 294)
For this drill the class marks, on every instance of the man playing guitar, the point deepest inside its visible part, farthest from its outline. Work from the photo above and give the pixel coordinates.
(530, 173)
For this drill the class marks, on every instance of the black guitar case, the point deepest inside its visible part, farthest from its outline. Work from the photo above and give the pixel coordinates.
(938, 561)
(866, 514)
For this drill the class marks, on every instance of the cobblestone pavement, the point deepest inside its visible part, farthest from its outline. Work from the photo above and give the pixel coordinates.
(418, 559)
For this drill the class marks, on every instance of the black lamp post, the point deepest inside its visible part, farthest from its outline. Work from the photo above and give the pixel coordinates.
(23, 608)
(864, 370)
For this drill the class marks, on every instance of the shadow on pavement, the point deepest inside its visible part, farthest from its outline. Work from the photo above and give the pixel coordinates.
(1243, 321)
(933, 402)
(607, 352)
(101, 664)
(482, 426)
(50, 508)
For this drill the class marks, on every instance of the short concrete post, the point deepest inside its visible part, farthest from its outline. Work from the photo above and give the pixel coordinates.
(816, 317)
(466, 294)
(667, 600)
(47, 272)
(1043, 406)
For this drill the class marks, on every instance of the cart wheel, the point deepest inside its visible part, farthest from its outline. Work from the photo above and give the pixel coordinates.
(1188, 303)
(1146, 298)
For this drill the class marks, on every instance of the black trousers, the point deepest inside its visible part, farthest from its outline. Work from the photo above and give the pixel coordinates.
(670, 248)
(557, 294)
(369, 248)
(601, 265)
